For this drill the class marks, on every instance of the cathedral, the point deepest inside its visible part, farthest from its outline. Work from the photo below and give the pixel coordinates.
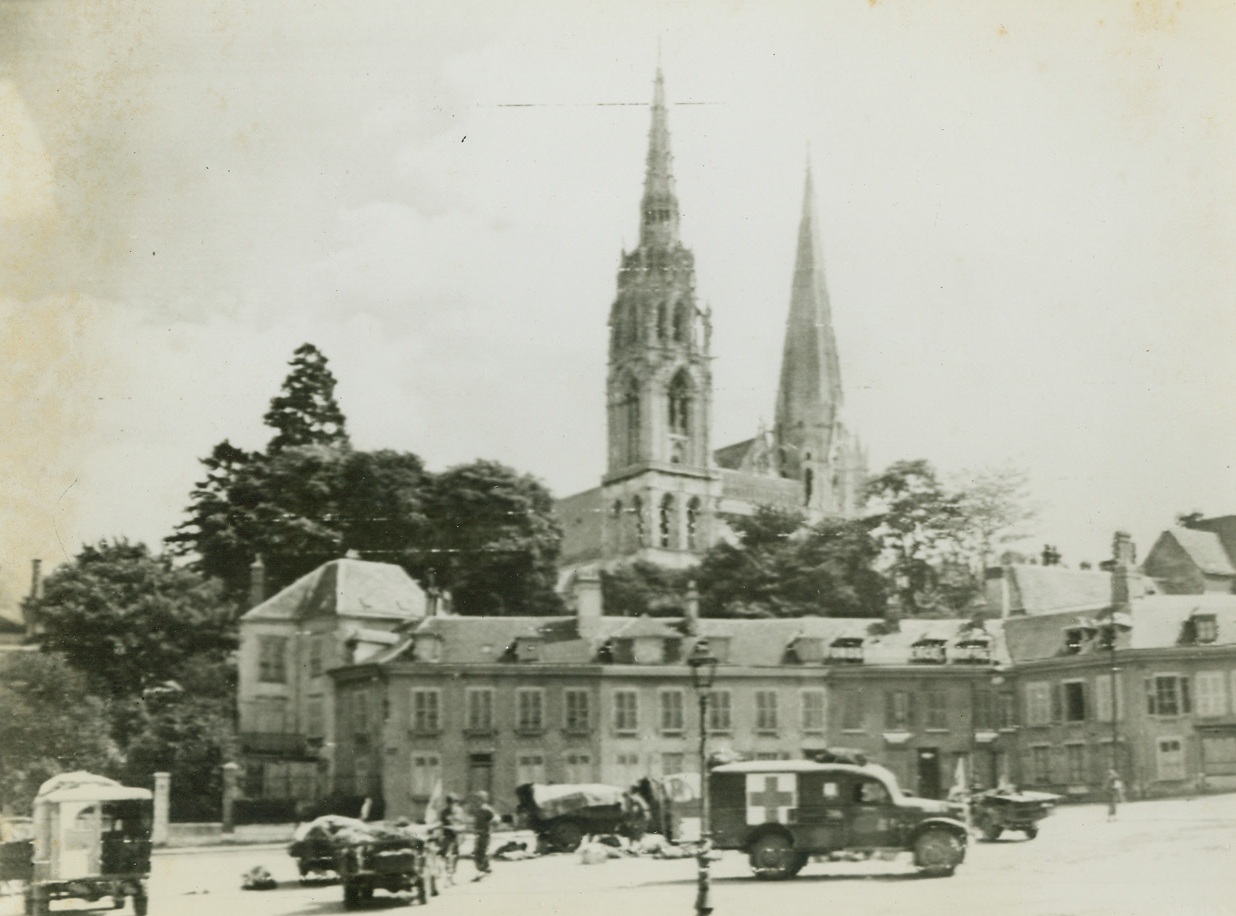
(666, 492)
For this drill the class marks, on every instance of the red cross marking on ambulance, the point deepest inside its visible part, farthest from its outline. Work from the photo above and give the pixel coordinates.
(770, 799)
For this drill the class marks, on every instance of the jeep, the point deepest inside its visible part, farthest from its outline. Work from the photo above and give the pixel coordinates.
(782, 812)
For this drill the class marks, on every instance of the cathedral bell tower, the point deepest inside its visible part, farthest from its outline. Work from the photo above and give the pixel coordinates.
(659, 487)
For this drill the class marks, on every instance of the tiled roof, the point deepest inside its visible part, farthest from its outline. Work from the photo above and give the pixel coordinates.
(753, 643)
(1158, 622)
(346, 588)
(1205, 549)
(1047, 589)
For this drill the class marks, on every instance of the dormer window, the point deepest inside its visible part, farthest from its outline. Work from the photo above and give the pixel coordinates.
(527, 650)
(1073, 639)
(928, 652)
(807, 649)
(427, 648)
(648, 650)
(847, 650)
(973, 651)
(1205, 628)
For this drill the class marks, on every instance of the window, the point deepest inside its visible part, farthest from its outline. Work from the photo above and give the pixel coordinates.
(1040, 764)
(1038, 704)
(766, 710)
(530, 710)
(1074, 701)
(680, 405)
(1219, 755)
(630, 406)
(682, 323)
(673, 763)
(480, 709)
(577, 767)
(1103, 698)
(426, 711)
(578, 712)
(426, 774)
(1211, 693)
(637, 516)
(720, 717)
(1169, 759)
(853, 713)
(626, 711)
(1167, 695)
(360, 712)
(315, 656)
(627, 766)
(671, 711)
(897, 710)
(870, 792)
(315, 724)
(847, 649)
(529, 768)
(666, 528)
(936, 716)
(928, 651)
(693, 523)
(1205, 628)
(1007, 701)
(974, 651)
(812, 711)
(273, 659)
(984, 709)
(1075, 762)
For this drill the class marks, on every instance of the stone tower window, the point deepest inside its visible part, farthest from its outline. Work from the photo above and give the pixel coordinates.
(667, 521)
(680, 405)
(682, 323)
(693, 523)
(661, 321)
(637, 513)
(630, 413)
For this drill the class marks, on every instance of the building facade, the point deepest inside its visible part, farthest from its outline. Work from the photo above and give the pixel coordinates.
(665, 489)
(340, 614)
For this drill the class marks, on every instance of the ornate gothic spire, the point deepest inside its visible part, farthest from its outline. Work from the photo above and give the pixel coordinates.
(809, 397)
(659, 207)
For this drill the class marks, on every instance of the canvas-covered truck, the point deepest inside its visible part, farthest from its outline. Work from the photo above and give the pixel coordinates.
(563, 815)
(784, 812)
(90, 839)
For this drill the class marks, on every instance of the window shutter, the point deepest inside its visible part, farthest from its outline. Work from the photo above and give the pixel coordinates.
(890, 709)
(1085, 700)
(1186, 700)
(1152, 705)
(911, 708)
(1057, 702)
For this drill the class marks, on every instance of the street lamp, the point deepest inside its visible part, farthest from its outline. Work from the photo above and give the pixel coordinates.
(1115, 624)
(703, 671)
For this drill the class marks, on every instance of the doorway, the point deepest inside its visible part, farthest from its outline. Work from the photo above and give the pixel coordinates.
(929, 772)
(481, 773)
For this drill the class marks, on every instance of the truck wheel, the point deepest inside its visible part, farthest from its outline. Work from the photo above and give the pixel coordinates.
(351, 896)
(937, 852)
(565, 836)
(1031, 832)
(140, 904)
(991, 832)
(772, 857)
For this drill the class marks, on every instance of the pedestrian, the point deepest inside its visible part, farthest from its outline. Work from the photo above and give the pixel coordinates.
(451, 826)
(483, 817)
(1115, 793)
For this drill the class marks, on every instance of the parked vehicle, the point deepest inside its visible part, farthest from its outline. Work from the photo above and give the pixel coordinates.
(998, 810)
(90, 839)
(563, 815)
(783, 812)
(375, 856)
(313, 845)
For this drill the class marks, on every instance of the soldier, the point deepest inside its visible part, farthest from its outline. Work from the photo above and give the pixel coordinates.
(483, 817)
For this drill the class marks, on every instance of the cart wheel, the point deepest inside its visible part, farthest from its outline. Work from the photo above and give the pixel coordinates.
(566, 836)
(140, 904)
(351, 896)
(118, 902)
(1031, 832)
(991, 832)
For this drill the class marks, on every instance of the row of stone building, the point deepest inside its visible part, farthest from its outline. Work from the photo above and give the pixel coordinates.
(354, 683)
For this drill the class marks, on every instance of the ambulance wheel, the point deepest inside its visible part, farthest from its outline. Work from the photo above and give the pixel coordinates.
(773, 858)
(938, 852)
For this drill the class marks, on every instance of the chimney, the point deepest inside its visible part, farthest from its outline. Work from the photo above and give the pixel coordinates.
(691, 611)
(1123, 570)
(36, 592)
(257, 581)
(588, 602)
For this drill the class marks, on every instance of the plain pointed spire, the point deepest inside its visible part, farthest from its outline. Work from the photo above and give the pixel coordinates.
(659, 206)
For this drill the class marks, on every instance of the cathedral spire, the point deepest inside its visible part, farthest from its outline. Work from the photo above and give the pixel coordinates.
(809, 397)
(659, 206)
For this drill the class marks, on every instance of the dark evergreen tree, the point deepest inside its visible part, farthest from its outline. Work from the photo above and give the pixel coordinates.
(305, 411)
(645, 588)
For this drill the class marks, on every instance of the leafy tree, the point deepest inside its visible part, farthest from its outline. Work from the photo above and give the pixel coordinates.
(189, 737)
(994, 503)
(645, 588)
(381, 506)
(305, 411)
(49, 723)
(495, 540)
(127, 619)
(781, 568)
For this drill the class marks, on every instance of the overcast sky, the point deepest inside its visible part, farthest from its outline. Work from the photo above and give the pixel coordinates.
(1028, 209)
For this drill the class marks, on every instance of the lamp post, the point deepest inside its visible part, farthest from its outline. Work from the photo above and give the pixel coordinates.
(1115, 624)
(703, 671)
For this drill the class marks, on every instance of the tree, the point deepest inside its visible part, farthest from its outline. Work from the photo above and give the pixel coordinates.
(645, 588)
(127, 619)
(49, 723)
(305, 411)
(781, 567)
(495, 540)
(994, 503)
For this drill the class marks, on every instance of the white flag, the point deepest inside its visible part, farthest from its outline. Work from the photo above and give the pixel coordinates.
(433, 807)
